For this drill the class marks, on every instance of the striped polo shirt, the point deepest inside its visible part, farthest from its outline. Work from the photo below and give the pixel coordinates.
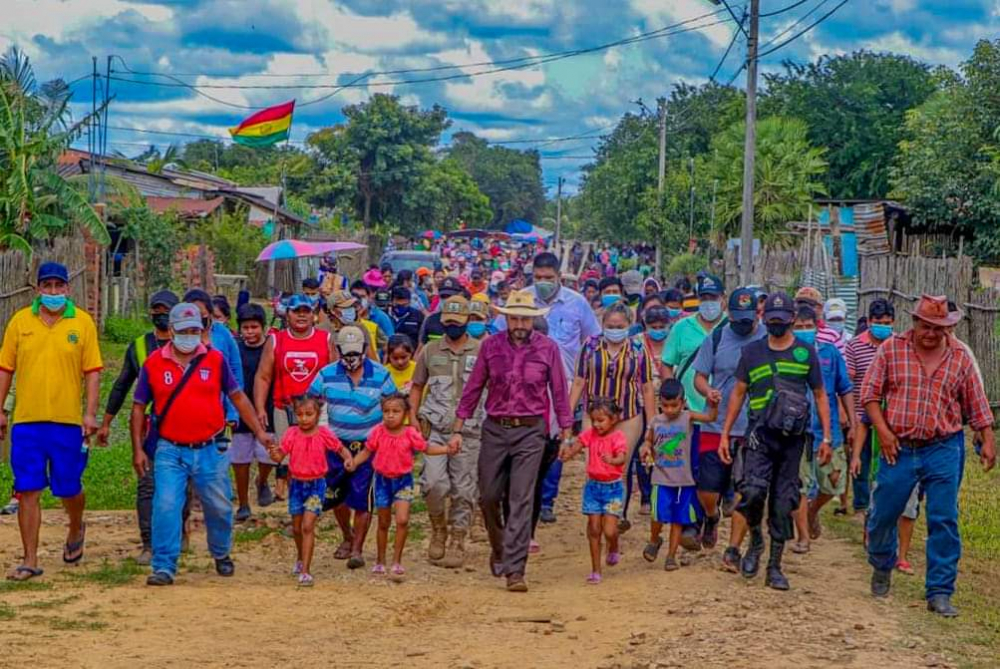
(353, 410)
(620, 375)
(858, 355)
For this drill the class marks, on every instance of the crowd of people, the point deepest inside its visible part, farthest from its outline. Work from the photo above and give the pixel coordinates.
(471, 382)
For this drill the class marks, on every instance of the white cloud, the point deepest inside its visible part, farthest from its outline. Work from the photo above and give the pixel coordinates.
(660, 14)
(898, 42)
(366, 33)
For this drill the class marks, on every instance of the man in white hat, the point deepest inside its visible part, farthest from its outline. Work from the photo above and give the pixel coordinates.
(520, 370)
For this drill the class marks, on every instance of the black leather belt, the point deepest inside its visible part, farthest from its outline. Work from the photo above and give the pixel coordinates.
(194, 445)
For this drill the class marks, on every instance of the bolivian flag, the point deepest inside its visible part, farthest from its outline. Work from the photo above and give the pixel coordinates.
(266, 127)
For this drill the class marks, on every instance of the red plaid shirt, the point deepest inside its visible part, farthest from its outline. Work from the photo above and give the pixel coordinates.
(918, 407)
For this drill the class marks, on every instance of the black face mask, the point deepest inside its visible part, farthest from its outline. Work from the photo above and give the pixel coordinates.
(161, 322)
(454, 331)
(205, 321)
(778, 329)
(742, 328)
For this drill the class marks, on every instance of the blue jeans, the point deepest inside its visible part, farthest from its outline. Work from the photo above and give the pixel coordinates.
(861, 485)
(208, 469)
(550, 485)
(937, 468)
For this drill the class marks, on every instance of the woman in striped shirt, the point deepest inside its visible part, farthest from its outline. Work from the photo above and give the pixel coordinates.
(614, 366)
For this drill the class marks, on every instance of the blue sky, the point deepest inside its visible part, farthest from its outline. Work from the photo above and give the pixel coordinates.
(246, 42)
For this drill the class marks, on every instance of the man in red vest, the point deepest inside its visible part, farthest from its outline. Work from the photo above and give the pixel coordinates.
(289, 363)
(186, 381)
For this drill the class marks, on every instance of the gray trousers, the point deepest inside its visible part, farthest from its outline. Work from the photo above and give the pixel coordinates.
(509, 459)
(453, 476)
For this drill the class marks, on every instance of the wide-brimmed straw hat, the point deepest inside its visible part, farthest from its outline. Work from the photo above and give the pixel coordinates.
(933, 309)
(522, 303)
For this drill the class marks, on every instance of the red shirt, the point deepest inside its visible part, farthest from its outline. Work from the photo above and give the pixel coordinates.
(296, 362)
(922, 407)
(197, 413)
(307, 452)
(394, 452)
(611, 444)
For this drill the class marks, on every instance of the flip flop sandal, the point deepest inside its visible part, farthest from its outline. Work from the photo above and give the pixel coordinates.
(30, 573)
(305, 581)
(800, 548)
(397, 573)
(594, 578)
(652, 550)
(297, 569)
(343, 551)
(73, 547)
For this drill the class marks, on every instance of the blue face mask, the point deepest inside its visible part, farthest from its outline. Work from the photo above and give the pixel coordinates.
(836, 326)
(616, 335)
(880, 331)
(608, 300)
(710, 311)
(476, 329)
(806, 336)
(53, 302)
(674, 313)
(348, 315)
(657, 335)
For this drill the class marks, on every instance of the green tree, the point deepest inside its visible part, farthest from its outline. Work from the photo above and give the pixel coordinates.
(511, 179)
(788, 174)
(854, 105)
(35, 202)
(444, 196)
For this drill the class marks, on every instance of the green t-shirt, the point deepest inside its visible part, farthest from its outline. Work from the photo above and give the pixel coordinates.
(682, 345)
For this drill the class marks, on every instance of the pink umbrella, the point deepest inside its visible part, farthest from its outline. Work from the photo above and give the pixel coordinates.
(288, 249)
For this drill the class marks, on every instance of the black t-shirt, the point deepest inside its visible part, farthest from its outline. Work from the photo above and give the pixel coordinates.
(250, 359)
(409, 323)
(797, 365)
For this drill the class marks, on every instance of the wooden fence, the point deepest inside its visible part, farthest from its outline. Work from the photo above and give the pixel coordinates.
(288, 274)
(17, 273)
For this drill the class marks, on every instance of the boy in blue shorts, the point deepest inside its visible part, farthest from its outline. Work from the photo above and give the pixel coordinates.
(668, 451)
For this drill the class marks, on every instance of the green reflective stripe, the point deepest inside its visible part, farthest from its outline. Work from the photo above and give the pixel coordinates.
(757, 403)
(758, 373)
(792, 368)
(140, 350)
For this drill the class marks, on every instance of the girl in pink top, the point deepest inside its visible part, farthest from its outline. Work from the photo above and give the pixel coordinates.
(306, 445)
(394, 443)
(603, 494)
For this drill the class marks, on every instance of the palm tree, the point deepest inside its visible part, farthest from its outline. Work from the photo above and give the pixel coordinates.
(35, 202)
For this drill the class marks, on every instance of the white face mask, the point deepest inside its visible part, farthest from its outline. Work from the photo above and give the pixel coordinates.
(185, 343)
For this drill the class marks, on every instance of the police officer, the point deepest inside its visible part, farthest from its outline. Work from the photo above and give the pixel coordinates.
(442, 368)
(774, 374)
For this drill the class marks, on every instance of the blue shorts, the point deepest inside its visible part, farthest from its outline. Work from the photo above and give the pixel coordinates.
(676, 505)
(351, 488)
(48, 455)
(603, 498)
(306, 496)
(389, 490)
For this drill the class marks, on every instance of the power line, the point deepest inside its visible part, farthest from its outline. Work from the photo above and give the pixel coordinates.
(804, 30)
(783, 9)
(736, 34)
(791, 26)
(733, 14)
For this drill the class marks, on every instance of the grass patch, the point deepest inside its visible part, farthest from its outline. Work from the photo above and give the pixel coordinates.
(973, 639)
(251, 535)
(24, 586)
(68, 624)
(110, 574)
(6, 611)
(46, 604)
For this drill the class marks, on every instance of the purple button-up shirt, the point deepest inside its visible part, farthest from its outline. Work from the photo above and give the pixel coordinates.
(519, 380)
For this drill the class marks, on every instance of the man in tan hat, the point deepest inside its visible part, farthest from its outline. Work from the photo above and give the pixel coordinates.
(343, 308)
(442, 368)
(928, 387)
(520, 370)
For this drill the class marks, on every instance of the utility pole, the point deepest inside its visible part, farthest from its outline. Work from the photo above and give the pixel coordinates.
(691, 203)
(661, 106)
(559, 212)
(749, 149)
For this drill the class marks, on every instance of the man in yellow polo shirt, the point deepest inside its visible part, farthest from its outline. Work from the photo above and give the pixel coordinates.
(52, 347)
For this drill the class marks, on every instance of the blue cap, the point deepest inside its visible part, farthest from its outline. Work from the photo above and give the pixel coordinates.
(52, 270)
(710, 285)
(742, 305)
(299, 301)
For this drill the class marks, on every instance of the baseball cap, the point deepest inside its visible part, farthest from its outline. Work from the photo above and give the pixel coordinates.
(198, 295)
(185, 315)
(422, 272)
(742, 305)
(632, 282)
(455, 311)
(164, 298)
(835, 309)
(404, 275)
(351, 339)
(810, 294)
(401, 293)
(298, 301)
(779, 307)
(342, 299)
(479, 305)
(52, 270)
(450, 286)
(709, 285)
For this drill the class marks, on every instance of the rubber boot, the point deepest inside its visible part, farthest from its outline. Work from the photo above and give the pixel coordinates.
(775, 579)
(439, 537)
(455, 559)
(750, 564)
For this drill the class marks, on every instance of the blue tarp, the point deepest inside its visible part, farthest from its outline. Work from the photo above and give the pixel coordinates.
(518, 226)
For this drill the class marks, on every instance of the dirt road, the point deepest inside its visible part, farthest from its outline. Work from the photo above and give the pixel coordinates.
(640, 616)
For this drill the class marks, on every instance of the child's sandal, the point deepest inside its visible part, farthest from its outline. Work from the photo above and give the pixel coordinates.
(397, 572)
(652, 550)
(297, 569)
(305, 581)
(613, 559)
(594, 578)
(670, 564)
(378, 570)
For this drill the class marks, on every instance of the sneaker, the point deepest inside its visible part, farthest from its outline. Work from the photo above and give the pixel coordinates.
(378, 570)
(242, 514)
(905, 567)
(594, 578)
(881, 581)
(144, 558)
(224, 566)
(731, 559)
(941, 605)
(671, 564)
(160, 578)
(710, 535)
(613, 559)
(11, 508)
(547, 515)
(264, 495)
(355, 562)
(305, 580)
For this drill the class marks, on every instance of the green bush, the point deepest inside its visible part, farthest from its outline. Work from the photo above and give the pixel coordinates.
(687, 264)
(121, 330)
